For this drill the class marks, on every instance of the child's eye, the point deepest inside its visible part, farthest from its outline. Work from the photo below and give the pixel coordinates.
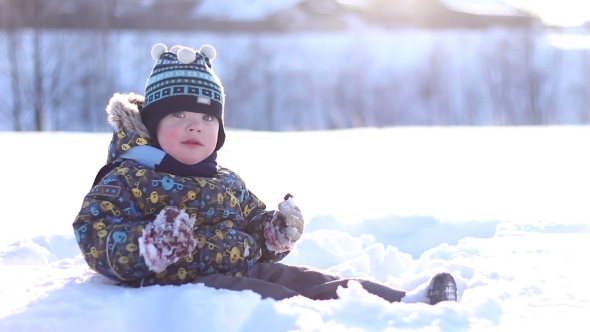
(208, 117)
(179, 115)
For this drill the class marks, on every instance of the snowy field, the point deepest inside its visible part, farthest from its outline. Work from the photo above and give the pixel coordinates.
(506, 210)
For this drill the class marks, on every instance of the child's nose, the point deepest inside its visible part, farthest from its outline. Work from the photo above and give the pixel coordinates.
(195, 125)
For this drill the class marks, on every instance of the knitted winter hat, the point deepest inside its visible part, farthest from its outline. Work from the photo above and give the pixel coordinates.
(182, 79)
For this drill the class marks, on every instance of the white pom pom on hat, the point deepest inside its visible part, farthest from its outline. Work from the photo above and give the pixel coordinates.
(186, 55)
(158, 50)
(208, 51)
(174, 49)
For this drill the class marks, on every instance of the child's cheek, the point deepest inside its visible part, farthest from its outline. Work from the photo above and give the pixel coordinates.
(165, 135)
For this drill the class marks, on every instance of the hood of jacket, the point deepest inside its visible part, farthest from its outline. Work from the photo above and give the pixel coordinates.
(129, 131)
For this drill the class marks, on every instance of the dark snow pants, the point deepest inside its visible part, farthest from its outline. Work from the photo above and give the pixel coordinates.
(279, 281)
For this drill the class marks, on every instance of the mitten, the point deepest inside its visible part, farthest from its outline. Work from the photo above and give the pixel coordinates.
(167, 239)
(285, 227)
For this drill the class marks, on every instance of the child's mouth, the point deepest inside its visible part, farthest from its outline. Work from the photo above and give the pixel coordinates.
(190, 142)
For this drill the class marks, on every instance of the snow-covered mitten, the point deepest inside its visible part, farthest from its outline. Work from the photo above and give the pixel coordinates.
(285, 228)
(167, 239)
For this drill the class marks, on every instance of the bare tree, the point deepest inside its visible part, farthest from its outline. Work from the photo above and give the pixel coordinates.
(441, 72)
(433, 84)
(254, 87)
(15, 78)
(296, 106)
(91, 82)
(12, 15)
(390, 99)
(32, 12)
(102, 78)
(472, 97)
(523, 86)
(56, 78)
(541, 80)
(38, 91)
(270, 98)
(499, 60)
(242, 86)
(581, 90)
(350, 94)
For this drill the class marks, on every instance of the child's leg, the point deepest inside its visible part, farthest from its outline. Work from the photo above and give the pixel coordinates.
(315, 284)
(264, 288)
(279, 281)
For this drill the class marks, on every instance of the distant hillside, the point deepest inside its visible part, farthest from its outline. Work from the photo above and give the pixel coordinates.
(258, 15)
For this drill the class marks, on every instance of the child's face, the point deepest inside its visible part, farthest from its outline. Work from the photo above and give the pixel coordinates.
(188, 137)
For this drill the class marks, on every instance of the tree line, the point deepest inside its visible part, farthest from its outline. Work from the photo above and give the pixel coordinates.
(61, 81)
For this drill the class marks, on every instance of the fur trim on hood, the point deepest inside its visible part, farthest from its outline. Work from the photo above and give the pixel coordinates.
(123, 113)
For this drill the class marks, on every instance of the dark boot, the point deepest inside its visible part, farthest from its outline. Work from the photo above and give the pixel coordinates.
(442, 288)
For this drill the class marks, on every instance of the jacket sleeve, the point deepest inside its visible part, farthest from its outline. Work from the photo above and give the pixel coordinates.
(109, 225)
(256, 216)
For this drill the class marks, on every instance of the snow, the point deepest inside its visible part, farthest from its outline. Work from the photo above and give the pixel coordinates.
(505, 210)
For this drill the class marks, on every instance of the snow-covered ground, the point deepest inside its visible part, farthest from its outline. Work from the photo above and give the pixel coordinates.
(506, 210)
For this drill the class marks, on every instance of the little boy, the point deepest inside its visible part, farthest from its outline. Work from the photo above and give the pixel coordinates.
(162, 212)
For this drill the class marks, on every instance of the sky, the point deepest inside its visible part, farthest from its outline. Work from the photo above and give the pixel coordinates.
(504, 209)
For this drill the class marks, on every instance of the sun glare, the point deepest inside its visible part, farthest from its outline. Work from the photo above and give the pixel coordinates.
(557, 12)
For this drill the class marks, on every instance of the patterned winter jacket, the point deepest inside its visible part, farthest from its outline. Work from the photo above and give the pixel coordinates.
(229, 218)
